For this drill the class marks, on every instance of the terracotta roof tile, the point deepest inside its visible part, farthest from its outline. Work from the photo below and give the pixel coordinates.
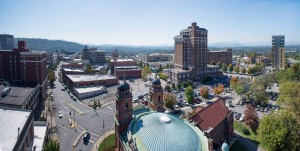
(210, 116)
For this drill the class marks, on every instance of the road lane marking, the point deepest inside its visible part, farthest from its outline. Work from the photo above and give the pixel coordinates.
(112, 126)
(109, 107)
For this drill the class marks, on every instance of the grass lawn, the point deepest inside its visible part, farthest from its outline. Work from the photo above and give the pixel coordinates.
(237, 146)
(252, 136)
(109, 141)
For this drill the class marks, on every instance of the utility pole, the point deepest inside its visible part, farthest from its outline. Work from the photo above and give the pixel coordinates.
(103, 133)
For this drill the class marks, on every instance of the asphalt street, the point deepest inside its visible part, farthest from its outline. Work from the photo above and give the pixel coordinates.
(91, 121)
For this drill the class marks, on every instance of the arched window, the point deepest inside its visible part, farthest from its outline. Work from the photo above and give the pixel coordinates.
(126, 106)
(159, 98)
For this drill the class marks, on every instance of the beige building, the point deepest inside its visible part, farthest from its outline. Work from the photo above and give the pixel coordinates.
(156, 57)
(278, 52)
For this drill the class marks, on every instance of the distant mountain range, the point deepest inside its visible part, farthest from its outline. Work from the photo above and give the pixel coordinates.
(58, 45)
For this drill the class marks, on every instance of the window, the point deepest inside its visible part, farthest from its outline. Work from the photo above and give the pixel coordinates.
(159, 98)
(126, 106)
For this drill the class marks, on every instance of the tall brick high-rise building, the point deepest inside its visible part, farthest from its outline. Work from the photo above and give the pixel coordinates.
(278, 52)
(22, 65)
(190, 56)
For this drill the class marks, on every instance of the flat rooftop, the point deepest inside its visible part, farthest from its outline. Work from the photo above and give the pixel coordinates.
(120, 60)
(180, 71)
(9, 127)
(126, 67)
(219, 50)
(39, 136)
(95, 77)
(16, 96)
(73, 69)
(89, 89)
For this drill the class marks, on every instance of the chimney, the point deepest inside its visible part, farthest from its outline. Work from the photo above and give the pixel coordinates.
(22, 45)
(194, 24)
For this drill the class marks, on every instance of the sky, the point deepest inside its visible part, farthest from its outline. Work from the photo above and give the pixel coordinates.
(151, 22)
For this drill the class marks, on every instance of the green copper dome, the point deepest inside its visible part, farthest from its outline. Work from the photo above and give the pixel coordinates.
(123, 87)
(164, 132)
(156, 82)
(225, 147)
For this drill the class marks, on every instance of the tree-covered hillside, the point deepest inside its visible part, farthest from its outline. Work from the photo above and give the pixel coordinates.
(51, 45)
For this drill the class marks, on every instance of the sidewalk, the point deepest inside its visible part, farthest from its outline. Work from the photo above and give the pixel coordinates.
(99, 141)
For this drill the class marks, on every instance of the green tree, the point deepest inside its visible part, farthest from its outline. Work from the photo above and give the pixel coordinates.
(224, 67)
(167, 88)
(141, 64)
(230, 68)
(189, 91)
(169, 100)
(237, 69)
(250, 70)
(290, 97)
(51, 76)
(173, 86)
(190, 99)
(279, 132)
(146, 71)
(160, 69)
(52, 146)
(163, 76)
(179, 86)
(185, 84)
(243, 70)
(219, 64)
(88, 69)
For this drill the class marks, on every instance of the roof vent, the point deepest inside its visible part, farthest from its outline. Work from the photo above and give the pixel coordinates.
(5, 91)
(165, 119)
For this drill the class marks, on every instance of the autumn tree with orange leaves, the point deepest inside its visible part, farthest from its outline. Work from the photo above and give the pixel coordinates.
(204, 92)
(218, 89)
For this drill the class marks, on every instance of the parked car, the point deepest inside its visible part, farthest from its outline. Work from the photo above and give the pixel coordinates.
(237, 116)
(59, 114)
(135, 100)
(180, 104)
(74, 98)
(242, 118)
(146, 93)
(131, 80)
(179, 95)
(140, 97)
(68, 91)
(53, 106)
(86, 137)
(197, 100)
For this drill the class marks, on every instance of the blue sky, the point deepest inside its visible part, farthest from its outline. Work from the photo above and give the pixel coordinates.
(151, 22)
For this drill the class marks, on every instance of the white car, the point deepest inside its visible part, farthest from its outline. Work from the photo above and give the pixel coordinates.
(242, 118)
(60, 114)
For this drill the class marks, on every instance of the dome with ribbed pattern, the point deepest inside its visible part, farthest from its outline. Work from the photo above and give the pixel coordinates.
(160, 131)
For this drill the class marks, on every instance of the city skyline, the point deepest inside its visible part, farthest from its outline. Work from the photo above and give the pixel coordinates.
(155, 23)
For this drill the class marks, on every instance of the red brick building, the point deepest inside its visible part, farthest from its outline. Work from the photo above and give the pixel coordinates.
(121, 62)
(216, 121)
(128, 71)
(223, 56)
(191, 55)
(22, 65)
